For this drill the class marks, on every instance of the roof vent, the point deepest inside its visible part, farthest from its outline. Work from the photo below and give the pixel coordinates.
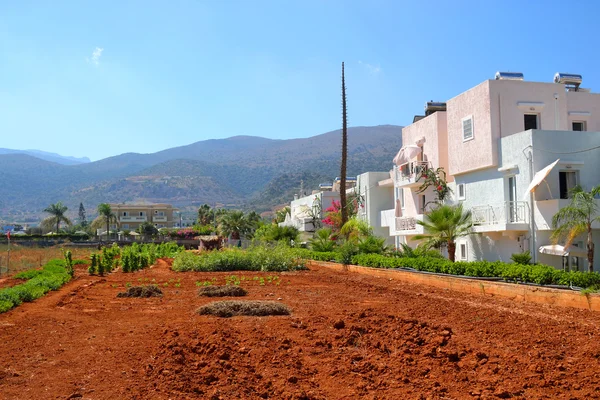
(509, 76)
(433, 106)
(571, 81)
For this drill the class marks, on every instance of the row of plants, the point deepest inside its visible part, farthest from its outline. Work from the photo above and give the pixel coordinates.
(38, 282)
(259, 258)
(511, 272)
(131, 258)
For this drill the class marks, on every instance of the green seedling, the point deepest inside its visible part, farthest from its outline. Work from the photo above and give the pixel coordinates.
(128, 284)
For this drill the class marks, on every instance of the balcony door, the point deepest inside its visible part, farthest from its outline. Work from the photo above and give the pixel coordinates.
(511, 204)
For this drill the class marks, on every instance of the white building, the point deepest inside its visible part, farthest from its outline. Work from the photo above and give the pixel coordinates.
(492, 140)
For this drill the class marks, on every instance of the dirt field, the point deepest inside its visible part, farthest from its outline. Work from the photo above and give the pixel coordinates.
(349, 337)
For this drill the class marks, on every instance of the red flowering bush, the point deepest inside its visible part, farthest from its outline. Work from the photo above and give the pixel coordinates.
(333, 216)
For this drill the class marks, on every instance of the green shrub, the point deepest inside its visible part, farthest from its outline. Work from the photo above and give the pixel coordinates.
(371, 244)
(51, 277)
(521, 258)
(346, 252)
(259, 258)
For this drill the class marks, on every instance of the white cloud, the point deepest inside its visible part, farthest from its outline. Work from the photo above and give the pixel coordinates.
(96, 54)
(372, 69)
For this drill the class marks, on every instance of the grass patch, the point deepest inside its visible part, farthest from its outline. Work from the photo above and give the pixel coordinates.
(255, 308)
(222, 291)
(142, 291)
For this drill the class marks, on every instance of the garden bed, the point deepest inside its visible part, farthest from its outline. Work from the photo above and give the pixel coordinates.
(349, 336)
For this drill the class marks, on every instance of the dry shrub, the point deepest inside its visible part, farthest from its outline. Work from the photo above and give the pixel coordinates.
(222, 291)
(142, 291)
(230, 308)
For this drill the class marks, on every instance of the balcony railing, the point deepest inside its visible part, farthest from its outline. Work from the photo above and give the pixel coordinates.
(406, 223)
(159, 218)
(509, 212)
(133, 219)
(411, 172)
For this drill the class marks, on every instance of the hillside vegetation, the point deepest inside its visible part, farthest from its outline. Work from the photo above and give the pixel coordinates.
(242, 170)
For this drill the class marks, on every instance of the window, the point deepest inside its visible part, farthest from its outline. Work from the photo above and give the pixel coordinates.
(463, 251)
(567, 180)
(579, 126)
(422, 203)
(400, 195)
(125, 213)
(141, 213)
(155, 211)
(530, 121)
(125, 226)
(467, 128)
(460, 188)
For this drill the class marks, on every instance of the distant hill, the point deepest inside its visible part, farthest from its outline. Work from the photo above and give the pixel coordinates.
(244, 170)
(43, 155)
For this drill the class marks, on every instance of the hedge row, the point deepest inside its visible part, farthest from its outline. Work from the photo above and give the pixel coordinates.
(39, 282)
(280, 258)
(539, 273)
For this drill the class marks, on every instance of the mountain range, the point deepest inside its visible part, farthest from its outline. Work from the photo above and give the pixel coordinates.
(244, 171)
(44, 155)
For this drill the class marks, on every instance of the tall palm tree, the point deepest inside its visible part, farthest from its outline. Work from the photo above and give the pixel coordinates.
(445, 224)
(234, 224)
(105, 216)
(344, 152)
(57, 215)
(577, 218)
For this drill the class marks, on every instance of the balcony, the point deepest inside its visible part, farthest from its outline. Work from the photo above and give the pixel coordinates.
(409, 175)
(506, 216)
(408, 225)
(133, 219)
(546, 209)
(158, 218)
(401, 226)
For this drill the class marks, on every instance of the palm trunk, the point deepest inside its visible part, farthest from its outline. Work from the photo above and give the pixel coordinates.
(107, 229)
(57, 226)
(590, 249)
(451, 250)
(344, 153)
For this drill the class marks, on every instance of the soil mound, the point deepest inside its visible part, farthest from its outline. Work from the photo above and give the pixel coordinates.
(142, 291)
(222, 291)
(254, 308)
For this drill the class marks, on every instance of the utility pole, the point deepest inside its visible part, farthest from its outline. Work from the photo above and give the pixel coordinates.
(301, 187)
(8, 258)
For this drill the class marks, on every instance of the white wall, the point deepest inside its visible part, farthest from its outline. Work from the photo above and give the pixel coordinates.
(376, 199)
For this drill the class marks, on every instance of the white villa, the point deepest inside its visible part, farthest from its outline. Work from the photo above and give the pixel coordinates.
(511, 149)
(492, 140)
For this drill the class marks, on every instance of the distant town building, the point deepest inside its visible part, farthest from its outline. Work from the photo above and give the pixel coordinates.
(131, 216)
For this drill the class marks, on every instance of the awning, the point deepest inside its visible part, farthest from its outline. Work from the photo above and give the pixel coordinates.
(406, 154)
(558, 250)
(539, 178)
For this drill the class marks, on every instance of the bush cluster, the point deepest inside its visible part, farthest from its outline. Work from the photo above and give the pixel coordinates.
(106, 261)
(39, 282)
(540, 274)
(260, 258)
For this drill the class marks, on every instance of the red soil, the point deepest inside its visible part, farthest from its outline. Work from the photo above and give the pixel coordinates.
(349, 336)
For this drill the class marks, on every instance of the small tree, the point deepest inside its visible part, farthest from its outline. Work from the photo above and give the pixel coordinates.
(57, 215)
(82, 219)
(206, 215)
(105, 216)
(443, 225)
(577, 218)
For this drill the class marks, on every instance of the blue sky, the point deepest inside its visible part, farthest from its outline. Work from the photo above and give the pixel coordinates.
(101, 78)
